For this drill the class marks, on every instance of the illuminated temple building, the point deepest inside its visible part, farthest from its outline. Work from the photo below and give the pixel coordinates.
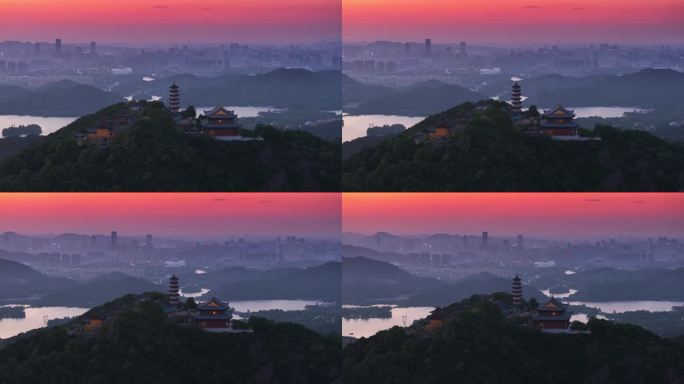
(552, 315)
(214, 316)
(220, 123)
(558, 121)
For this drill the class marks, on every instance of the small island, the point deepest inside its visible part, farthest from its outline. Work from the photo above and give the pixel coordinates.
(14, 312)
(22, 130)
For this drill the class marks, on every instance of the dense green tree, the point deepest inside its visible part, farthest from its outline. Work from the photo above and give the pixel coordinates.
(491, 154)
(155, 155)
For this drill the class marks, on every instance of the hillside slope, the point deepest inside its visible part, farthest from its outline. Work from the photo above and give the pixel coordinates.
(478, 344)
(491, 154)
(139, 344)
(155, 155)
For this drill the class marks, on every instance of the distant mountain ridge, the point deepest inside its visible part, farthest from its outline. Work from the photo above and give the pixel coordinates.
(419, 99)
(63, 98)
(19, 281)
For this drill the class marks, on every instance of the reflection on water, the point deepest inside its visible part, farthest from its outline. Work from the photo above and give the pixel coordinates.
(401, 316)
(49, 124)
(36, 318)
(355, 126)
(630, 306)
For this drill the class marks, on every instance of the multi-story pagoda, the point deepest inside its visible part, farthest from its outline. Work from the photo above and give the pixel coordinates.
(214, 315)
(173, 291)
(558, 121)
(517, 291)
(174, 98)
(552, 315)
(516, 98)
(220, 123)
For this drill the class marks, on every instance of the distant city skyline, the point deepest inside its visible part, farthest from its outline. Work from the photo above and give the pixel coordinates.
(547, 215)
(510, 21)
(166, 21)
(186, 215)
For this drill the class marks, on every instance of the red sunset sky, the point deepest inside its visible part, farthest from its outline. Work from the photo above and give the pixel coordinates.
(542, 214)
(151, 21)
(446, 21)
(189, 214)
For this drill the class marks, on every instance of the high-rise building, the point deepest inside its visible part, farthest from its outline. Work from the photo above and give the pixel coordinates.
(428, 46)
(462, 48)
(58, 46)
(93, 48)
(113, 239)
(520, 241)
(485, 238)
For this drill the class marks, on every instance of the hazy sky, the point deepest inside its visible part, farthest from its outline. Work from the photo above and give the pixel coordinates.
(188, 214)
(568, 215)
(147, 21)
(637, 21)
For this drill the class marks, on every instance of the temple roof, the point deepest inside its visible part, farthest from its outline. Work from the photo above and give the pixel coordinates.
(559, 111)
(516, 278)
(552, 305)
(220, 112)
(213, 304)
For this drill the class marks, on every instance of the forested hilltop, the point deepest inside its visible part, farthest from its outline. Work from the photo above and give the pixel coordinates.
(155, 154)
(138, 343)
(477, 343)
(491, 153)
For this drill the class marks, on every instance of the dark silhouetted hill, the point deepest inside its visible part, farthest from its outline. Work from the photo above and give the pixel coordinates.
(491, 154)
(155, 155)
(138, 343)
(478, 344)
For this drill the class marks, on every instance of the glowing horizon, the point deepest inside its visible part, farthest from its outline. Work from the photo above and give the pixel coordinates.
(567, 215)
(509, 21)
(171, 21)
(199, 215)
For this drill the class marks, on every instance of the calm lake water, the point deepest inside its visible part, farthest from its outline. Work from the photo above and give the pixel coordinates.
(36, 318)
(401, 316)
(265, 305)
(49, 124)
(605, 112)
(630, 306)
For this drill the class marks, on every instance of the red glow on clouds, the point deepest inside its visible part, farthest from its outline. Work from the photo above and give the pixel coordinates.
(146, 21)
(447, 21)
(178, 214)
(545, 214)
